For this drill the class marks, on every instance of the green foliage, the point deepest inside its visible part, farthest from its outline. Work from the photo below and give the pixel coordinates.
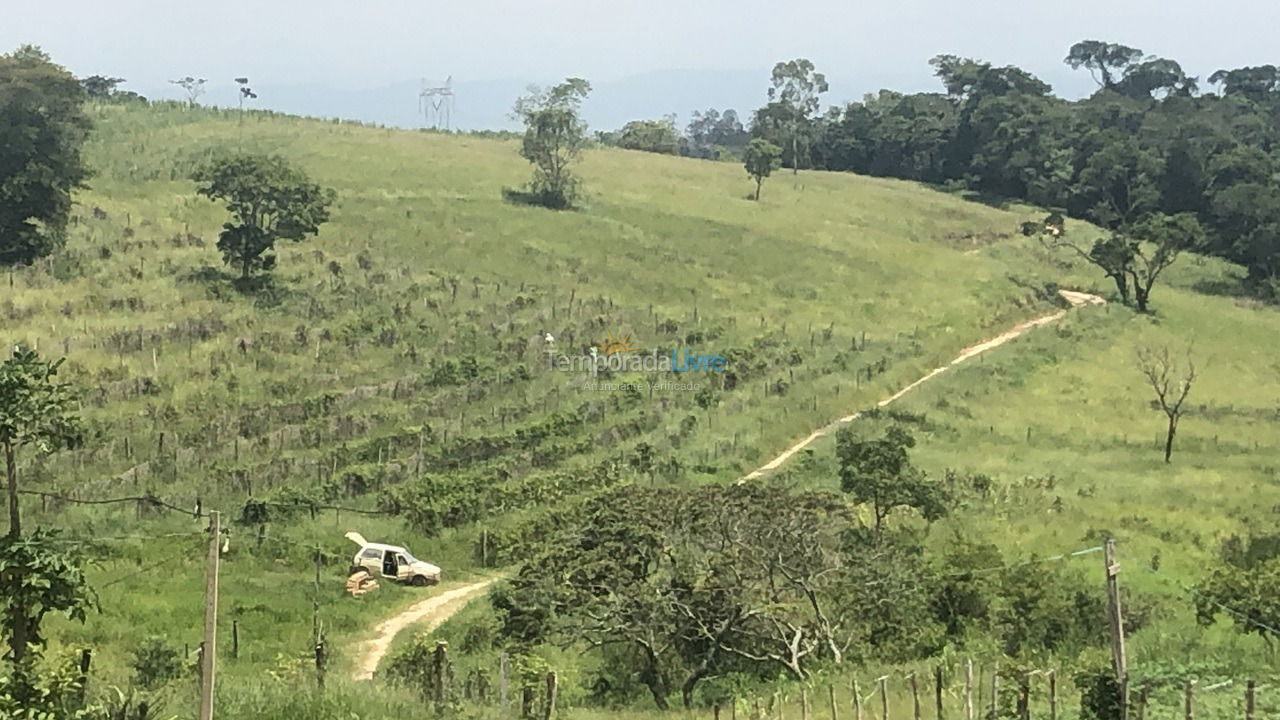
(35, 411)
(879, 472)
(1100, 693)
(270, 200)
(675, 587)
(788, 121)
(156, 662)
(761, 158)
(656, 136)
(711, 130)
(1144, 144)
(1245, 587)
(39, 575)
(554, 137)
(30, 692)
(42, 129)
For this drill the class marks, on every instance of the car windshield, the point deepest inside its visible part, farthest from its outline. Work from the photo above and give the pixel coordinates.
(409, 557)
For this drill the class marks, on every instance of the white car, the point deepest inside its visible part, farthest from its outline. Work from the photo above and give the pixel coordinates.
(392, 561)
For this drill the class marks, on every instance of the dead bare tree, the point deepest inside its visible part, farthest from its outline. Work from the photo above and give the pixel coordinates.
(1171, 380)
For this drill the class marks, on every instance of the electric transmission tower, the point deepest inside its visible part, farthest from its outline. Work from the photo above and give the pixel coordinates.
(436, 104)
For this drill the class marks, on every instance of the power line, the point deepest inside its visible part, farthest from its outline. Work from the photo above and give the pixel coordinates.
(146, 569)
(148, 499)
(1229, 610)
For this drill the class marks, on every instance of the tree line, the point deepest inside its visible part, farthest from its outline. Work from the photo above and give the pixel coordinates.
(1148, 146)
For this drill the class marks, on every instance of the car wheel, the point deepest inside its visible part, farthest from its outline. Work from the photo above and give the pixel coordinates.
(418, 581)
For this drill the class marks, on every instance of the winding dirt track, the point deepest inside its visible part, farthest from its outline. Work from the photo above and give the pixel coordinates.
(436, 609)
(431, 612)
(1075, 298)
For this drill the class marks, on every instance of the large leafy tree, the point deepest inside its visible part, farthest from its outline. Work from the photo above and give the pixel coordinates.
(675, 587)
(879, 472)
(42, 129)
(1106, 61)
(795, 89)
(270, 200)
(554, 137)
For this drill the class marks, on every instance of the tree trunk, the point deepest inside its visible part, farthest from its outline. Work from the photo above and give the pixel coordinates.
(686, 690)
(1140, 296)
(795, 154)
(11, 468)
(652, 678)
(1122, 287)
(18, 631)
(1168, 440)
(759, 182)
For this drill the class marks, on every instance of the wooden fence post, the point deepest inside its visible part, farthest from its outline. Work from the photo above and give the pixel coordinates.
(438, 660)
(831, 696)
(1143, 695)
(320, 662)
(1250, 698)
(526, 702)
(1053, 695)
(884, 697)
(86, 658)
(1188, 701)
(915, 696)
(552, 690)
(937, 691)
(857, 700)
(804, 703)
(995, 694)
(504, 665)
(968, 689)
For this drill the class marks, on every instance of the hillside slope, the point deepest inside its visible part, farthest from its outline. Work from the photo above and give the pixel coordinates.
(396, 364)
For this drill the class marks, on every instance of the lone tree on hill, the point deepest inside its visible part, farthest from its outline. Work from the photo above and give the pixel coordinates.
(270, 200)
(193, 86)
(554, 137)
(1134, 256)
(761, 158)
(880, 472)
(42, 128)
(1171, 382)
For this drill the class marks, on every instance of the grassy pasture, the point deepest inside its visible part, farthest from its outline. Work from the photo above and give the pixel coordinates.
(335, 379)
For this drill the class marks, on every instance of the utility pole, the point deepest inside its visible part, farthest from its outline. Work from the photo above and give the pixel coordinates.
(1117, 625)
(209, 650)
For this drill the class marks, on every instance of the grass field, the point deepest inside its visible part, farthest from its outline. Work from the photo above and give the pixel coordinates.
(406, 340)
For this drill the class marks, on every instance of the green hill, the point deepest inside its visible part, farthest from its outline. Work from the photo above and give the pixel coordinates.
(396, 365)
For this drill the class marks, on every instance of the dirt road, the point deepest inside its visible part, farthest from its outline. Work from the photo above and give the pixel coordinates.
(430, 613)
(1075, 298)
(434, 610)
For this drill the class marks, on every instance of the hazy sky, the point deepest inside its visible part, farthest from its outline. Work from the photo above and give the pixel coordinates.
(356, 44)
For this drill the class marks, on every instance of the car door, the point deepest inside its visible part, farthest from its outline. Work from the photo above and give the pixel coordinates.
(389, 565)
(371, 560)
(404, 571)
